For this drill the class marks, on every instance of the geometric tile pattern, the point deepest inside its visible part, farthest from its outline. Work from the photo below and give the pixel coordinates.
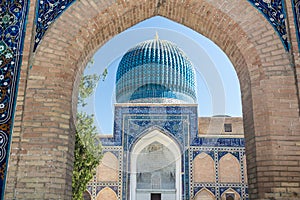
(216, 152)
(94, 187)
(171, 119)
(180, 123)
(296, 10)
(13, 15)
(47, 12)
(218, 142)
(131, 122)
(155, 69)
(274, 12)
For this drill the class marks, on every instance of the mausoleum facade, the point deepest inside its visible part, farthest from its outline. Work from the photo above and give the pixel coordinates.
(160, 148)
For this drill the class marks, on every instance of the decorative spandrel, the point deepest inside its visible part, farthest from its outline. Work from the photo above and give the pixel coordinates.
(296, 9)
(273, 11)
(11, 26)
(49, 10)
(46, 13)
(13, 15)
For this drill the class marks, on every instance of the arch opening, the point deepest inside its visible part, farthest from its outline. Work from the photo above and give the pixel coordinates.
(216, 79)
(239, 40)
(229, 169)
(107, 170)
(204, 169)
(204, 194)
(106, 194)
(230, 194)
(155, 167)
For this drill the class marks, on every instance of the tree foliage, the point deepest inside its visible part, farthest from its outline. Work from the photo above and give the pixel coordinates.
(88, 151)
(87, 154)
(86, 87)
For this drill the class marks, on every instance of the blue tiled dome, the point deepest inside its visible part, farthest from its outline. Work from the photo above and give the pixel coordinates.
(155, 71)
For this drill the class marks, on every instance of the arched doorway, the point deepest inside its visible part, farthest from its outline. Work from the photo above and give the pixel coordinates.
(159, 178)
(269, 93)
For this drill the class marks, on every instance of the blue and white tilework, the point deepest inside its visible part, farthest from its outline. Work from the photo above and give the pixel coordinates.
(47, 12)
(155, 69)
(296, 10)
(13, 16)
(217, 152)
(274, 12)
(180, 123)
(94, 187)
(132, 122)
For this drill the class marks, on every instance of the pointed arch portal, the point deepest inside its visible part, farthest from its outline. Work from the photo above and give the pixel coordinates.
(49, 78)
(162, 176)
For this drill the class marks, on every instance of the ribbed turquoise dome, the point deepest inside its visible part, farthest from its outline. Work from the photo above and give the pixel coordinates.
(155, 71)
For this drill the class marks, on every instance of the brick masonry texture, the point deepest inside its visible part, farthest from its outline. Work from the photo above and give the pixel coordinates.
(40, 165)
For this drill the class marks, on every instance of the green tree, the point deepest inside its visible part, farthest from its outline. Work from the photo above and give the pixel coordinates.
(86, 87)
(88, 151)
(87, 154)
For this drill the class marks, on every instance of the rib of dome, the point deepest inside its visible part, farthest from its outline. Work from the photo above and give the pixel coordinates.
(155, 71)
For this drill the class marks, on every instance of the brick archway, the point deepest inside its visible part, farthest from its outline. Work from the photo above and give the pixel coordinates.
(269, 97)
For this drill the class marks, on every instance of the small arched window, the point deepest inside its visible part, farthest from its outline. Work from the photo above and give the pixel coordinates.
(229, 169)
(204, 194)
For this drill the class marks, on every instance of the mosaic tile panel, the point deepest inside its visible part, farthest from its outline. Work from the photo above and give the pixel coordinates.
(173, 127)
(155, 69)
(90, 189)
(237, 189)
(218, 142)
(140, 118)
(132, 121)
(99, 188)
(197, 152)
(296, 10)
(46, 13)
(13, 15)
(49, 10)
(198, 188)
(274, 12)
(186, 176)
(223, 153)
(94, 187)
(218, 188)
(178, 122)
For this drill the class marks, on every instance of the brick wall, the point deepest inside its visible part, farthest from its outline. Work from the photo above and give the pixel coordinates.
(216, 126)
(41, 157)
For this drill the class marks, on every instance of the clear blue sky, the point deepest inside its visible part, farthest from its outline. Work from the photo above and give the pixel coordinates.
(218, 89)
